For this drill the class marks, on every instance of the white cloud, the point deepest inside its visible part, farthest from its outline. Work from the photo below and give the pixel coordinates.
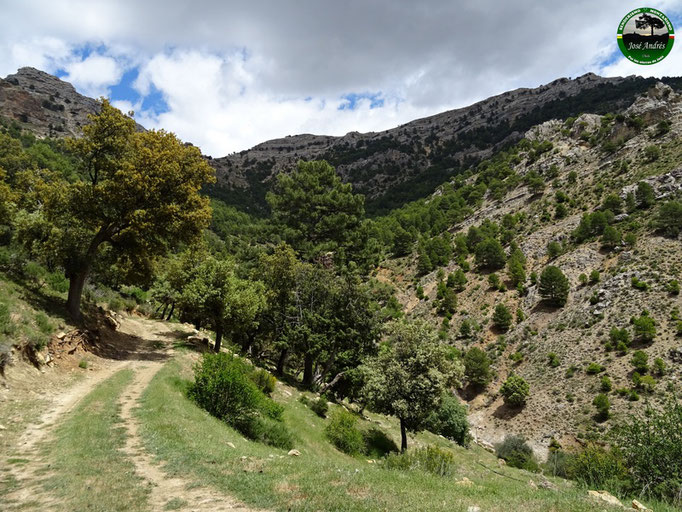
(237, 73)
(94, 74)
(212, 103)
(38, 52)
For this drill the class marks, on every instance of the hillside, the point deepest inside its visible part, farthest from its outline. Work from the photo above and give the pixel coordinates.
(584, 167)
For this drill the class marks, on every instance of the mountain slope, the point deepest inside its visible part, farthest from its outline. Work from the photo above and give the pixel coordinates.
(409, 161)
(590, 158)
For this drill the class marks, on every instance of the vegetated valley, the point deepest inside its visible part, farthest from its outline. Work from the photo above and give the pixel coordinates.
(473, 311)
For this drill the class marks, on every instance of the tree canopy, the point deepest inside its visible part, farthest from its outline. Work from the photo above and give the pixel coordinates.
(409, 376)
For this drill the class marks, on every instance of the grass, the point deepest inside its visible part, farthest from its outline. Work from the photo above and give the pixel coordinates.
(88, 470)
(193, 444)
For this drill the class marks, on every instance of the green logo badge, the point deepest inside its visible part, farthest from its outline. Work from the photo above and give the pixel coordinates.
(645, 36)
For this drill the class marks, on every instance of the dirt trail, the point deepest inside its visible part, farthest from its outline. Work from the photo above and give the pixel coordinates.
(143, 346)
(164, 489)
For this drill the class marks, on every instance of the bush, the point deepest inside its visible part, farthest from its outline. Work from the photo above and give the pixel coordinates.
(343, 433)
(595, 276)
(594, 368)
(223, 387)
(515, 391)
(57, 281)
(599, 468)
(558, 464)
(601, 402)
(553, 359)
(7, 327)
(450, 420)
(267, 431)
(605, 384)
(264, 380)
(117, 304)
(652, 153)
(651, 449)
(430, 459)
(640, 360)
(320, 407)
(44, 323)
(517, 453)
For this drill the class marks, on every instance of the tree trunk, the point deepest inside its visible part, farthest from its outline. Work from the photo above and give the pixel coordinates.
(247, 341)
(403, 436)
(308, 370)
(165, 307)
(282, 361)
(170, 314)
(218, 338)
(77, 280)
(332, 382)
(76, 284)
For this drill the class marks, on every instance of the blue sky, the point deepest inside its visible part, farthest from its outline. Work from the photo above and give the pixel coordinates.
(227, 75)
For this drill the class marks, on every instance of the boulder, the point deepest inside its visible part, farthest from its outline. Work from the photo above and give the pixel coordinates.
(294, 453)
(638, 506)
(464, 482)
(605, 497)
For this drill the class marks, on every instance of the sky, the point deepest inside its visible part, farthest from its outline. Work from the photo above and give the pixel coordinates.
(227, 75)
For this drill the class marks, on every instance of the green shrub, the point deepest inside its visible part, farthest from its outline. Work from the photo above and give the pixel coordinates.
(343, 433)
(640, 360)
(651, 449)
(430, 459)
(599, 468)
(264, 380)
(57, 281)
(605, 384)
(673, 287)
(7, 326)
(116, 304)
(595, 276)
(594, 368)
(601, 402)
(83, 364)
(223, 387)
(652, 153)
(34, 272)
(640, 285)
(553, 359)
(137, 294)
(450, 420)
(515, 391)
(558, 464)
(267, 431)
(618, 336)
(44, 323)
(517, 453)
(320, 407)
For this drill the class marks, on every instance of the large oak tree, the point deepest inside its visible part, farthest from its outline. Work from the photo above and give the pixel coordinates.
(138, 198)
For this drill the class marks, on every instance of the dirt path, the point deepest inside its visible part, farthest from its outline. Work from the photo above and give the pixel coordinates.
(145, 345)
(164, 489)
